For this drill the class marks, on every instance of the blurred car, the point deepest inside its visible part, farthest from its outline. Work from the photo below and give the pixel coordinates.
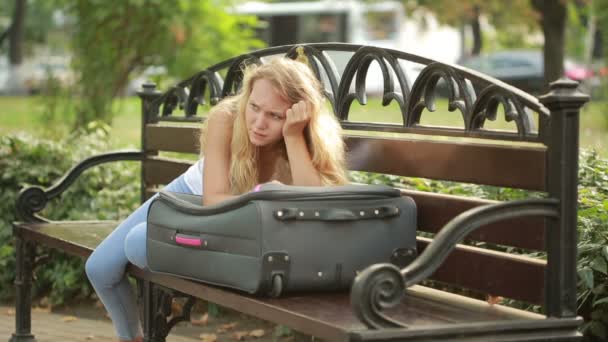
(524, 69)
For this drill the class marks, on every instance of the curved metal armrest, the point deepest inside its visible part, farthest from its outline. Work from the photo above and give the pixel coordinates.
(33, 199)
(382, 286)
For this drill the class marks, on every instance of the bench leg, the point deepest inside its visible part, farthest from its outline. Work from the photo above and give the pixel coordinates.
(157, 309)
(149, 299)
(23, 286)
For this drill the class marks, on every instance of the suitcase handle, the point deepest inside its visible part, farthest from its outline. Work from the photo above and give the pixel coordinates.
(188, 240)
(336, 214)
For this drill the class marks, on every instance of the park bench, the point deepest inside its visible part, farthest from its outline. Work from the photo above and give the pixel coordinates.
(385, 303)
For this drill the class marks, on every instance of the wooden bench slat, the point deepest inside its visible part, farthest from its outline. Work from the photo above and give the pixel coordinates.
(491, 272)
(435, 210)
(506, 166)
(172, 138)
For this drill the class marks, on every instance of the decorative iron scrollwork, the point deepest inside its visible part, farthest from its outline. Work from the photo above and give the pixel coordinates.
(30, 201)
(476, 96)
(378, 287)
(196, 96)
(461, 94)
(316, 57)
(359, 65)
(486, 107)
(234, 77)
(162, 323)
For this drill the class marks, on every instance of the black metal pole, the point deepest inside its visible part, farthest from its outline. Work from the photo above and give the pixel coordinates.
(23, 285)
(149, 114)
(564, 101)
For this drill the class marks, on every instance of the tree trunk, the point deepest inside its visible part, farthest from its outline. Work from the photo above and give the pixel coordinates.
(476, 28)
(553, 22)
(17, 33)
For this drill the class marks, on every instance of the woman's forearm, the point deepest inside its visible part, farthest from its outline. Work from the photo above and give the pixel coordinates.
(303, 171)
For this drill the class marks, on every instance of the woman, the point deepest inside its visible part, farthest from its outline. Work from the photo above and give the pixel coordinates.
(276, 129)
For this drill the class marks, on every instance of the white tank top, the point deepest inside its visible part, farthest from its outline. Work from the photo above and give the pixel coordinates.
(194, 177)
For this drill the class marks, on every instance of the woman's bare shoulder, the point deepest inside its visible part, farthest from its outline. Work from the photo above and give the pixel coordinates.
(223, 112)
(221, 116)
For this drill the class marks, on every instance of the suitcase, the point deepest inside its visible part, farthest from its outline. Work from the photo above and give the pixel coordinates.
(283, 238)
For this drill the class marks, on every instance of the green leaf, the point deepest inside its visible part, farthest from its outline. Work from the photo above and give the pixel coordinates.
(599, 264)
(281, 331)
(213, 309)
(586, 275)
(601, 301)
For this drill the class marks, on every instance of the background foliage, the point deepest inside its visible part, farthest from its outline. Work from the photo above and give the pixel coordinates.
(105, 192)
(111, 44)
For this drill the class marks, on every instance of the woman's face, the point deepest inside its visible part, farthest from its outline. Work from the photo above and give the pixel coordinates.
(265, 114)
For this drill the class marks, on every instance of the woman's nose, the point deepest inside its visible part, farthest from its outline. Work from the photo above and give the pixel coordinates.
(260, 122)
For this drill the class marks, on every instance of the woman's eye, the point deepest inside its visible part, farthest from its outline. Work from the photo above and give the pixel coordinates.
(254, 107)
(276, 116)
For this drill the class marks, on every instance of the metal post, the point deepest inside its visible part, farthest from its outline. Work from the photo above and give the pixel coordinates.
(564, 101)
(23, 286)
(149, 310)
(149, 114)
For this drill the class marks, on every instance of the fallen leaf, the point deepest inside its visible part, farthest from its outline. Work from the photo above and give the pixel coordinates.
(10, 312)
(42, 310)
(201, 321)
(208, 337)
(176, 308)
(225, 327)
(494, 299)
(257, 333)
(69, 319)
(90, 337)
(239, 335)
(228, 326)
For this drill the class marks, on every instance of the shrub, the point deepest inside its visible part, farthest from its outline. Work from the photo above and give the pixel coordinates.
(109, 191)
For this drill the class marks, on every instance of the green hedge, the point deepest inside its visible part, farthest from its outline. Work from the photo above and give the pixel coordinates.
(106, 192)
(112, 191)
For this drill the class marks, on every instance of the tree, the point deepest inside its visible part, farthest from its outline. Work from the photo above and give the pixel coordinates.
(553, 22)
(16, 32)
(510, 16)
(112, 40)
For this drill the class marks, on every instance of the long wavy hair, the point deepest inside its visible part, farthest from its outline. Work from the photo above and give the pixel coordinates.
(294, 81)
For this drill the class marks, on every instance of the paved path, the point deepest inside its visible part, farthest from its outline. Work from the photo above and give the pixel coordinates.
(78, 325)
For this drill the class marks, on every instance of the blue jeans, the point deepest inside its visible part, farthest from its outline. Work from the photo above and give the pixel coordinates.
(106, 266)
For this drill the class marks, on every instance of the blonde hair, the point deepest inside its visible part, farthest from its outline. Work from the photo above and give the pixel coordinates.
(294, 81)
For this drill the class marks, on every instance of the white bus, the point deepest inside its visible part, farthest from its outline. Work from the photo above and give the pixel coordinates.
(328, 21)
(347, 21)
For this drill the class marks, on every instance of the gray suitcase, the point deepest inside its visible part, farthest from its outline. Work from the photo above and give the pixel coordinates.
(283, 238)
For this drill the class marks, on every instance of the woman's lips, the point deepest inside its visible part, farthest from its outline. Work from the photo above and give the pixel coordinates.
(259, 135)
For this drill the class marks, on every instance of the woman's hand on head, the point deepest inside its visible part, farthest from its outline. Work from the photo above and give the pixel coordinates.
(296, 119)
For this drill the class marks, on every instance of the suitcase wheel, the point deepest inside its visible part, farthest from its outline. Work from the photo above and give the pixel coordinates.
(277, 286)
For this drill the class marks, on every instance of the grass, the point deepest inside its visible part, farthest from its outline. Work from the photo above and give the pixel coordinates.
(28, 114)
